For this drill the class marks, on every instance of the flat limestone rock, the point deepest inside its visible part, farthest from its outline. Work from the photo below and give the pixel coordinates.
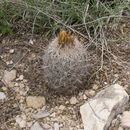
(98, 112)
(9, 76)
(36, 126)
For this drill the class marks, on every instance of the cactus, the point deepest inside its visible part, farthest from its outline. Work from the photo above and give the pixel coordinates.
(65, 63)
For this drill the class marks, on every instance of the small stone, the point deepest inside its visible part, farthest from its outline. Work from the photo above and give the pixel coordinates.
(46, 126)
(29, 124)
(120, 128)
(41, 114)
(21, 122)
(53, 115)
(125, 120)
(95, 87)
(36, 126)
(84, 97)
(21, 77)
(11, 51)
(2, 96)
(9, 76)
(4, 88)
(35, 101)
(56, 126)
(11, 84)
(91, 93)
(61, 107)
(73, 100)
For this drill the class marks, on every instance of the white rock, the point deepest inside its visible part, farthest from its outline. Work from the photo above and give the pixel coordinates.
(125, 120)
(61, 107)
(98, 113)
(11, 51)
(21, 77)
(2, 96)
(120, 128)
(56, 126)
(46, 126)
(95, 87)
(21, 122)
(35, 101)
(73, 100)
(91, 93)
(36, 126)
(9, 76)
(84, 97)
(41, 114)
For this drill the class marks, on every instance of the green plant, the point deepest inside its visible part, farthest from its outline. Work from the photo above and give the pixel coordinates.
(47, 16)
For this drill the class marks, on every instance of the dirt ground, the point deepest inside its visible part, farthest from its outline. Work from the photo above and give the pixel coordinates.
(27, 60)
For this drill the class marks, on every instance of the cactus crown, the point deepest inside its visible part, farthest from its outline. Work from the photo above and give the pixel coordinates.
(65, 38)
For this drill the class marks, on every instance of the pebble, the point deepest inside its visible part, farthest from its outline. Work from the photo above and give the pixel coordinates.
(9, 76)
(56, 126)
(36, 126)
(61, 107)
(91, 93)
(125, 120)
(95, 87)
(2, 96)
(35, 101)
(84, 97)
(9, 62)
(11, 51)
(41, 114)
(120, 128)
(73, 100)
(46, 126)
(20, 121)
(21, 77)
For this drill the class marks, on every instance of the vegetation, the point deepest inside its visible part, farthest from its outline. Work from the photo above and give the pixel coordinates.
(48, 16)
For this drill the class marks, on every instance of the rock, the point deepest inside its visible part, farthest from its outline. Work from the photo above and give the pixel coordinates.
(2, 96)
(9, 76)
(36, 126)
(95, 87)
(84, 97)
(35, 101)
(46, 126)
(98, 113)
(41, 114)
(56, 126)
(73, 100)
(11, 51)
(20, 78)
(120, 128)
(21, 122)
(61, 107)
(91, 93)
(125, 120)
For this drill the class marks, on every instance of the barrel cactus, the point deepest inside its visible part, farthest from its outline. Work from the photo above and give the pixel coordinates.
(65, 64)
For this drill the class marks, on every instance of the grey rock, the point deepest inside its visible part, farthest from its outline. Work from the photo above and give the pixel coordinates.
(56, 126)
(73, 100)
(41, 114)
(98, 113)
(21, 122)
(125, 120)
(35, 101)
(9, 76)
(36, 126)
(2, 96)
